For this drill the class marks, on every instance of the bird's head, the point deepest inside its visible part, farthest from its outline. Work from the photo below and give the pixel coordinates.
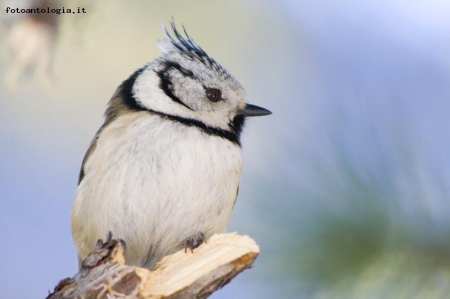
(187, 84)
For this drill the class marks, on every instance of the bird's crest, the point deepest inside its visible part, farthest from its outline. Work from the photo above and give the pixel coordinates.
(186, 46)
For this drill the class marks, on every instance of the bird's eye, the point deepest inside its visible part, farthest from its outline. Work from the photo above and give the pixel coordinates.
(213, 94)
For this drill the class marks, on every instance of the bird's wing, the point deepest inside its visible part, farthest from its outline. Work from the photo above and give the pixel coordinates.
(89, 152)
(116, 107)
(237, 192)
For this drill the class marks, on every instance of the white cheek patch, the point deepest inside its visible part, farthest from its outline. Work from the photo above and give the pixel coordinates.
(148, 93)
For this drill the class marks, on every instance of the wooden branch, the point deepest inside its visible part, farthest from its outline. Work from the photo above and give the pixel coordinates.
(180, 275)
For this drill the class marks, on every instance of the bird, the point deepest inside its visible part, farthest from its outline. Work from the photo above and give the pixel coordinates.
(162, 172)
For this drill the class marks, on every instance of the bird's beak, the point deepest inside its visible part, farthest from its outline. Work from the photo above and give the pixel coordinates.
(253, 110)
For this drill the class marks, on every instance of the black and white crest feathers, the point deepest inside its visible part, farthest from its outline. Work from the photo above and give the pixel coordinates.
(186, 46)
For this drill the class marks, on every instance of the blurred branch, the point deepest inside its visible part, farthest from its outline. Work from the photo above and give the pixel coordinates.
(180, 275)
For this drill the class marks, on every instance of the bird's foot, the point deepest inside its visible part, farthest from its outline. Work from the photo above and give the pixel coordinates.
(194, 241)
(109, 242)
(110, 250)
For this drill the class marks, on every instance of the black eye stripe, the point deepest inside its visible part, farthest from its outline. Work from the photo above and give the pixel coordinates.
(166, 83)
(176, 66)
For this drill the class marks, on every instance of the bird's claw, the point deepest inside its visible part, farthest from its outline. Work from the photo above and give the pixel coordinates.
(194, 241)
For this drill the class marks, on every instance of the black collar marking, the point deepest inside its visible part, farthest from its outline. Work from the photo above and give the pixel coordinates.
(127, 91)
(233, 135)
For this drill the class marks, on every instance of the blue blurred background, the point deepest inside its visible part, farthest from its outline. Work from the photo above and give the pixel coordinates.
(346, 187)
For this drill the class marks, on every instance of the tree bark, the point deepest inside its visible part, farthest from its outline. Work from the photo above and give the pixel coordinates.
(180, 275)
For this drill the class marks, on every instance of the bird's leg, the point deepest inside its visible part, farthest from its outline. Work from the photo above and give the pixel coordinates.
(194, 241)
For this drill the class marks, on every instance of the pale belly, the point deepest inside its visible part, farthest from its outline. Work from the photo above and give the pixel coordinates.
(155, 189)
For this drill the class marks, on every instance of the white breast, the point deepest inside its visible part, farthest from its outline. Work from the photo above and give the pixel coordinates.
(154, 182)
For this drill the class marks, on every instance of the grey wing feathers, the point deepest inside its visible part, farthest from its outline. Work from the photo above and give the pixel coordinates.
(237, 192)
(116, 107)
(86, 157)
